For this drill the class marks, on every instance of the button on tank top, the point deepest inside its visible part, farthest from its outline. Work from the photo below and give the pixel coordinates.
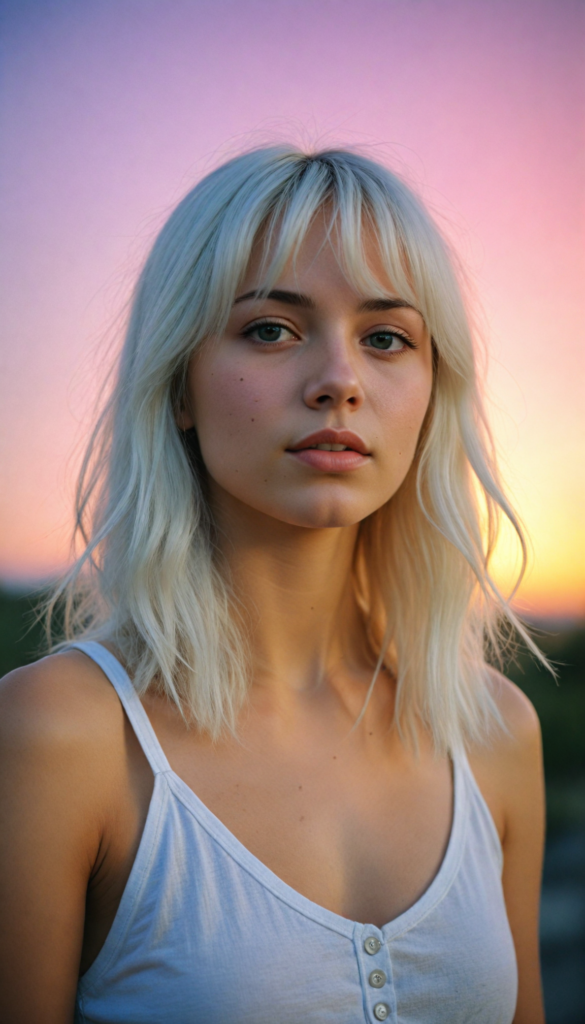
(205, 933)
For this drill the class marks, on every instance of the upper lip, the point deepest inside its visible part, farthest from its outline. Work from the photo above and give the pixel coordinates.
(331, 436)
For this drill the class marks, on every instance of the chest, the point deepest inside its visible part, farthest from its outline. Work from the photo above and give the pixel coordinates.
(357, 832)
(209, 903)
(360, 831)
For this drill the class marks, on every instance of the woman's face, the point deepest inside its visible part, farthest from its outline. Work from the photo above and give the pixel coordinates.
(314, 365)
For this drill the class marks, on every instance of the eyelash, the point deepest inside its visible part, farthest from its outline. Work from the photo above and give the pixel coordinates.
(397, 334)
(268, 322)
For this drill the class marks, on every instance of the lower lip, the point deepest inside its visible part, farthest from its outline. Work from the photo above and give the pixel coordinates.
(331, 462)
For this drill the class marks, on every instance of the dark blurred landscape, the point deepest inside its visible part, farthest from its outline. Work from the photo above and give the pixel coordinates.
(561, 708)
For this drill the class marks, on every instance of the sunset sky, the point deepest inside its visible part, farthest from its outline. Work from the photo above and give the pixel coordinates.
(111, 109)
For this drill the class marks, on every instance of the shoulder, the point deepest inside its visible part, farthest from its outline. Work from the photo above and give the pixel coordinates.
(56, 697)
(518, 713)
(60, 713)
(517, 735)
(68, 762)
(63, 754)
(509, 773)
(508, 766)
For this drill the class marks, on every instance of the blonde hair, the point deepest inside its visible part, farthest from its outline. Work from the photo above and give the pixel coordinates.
(148, 579)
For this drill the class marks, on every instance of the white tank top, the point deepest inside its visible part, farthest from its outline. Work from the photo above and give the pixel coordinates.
(205, 933)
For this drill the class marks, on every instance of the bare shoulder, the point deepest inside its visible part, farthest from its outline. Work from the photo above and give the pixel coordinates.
(63, 768)
(509, 772)
(517, 710)
(508, 766)
(518, 736)
(61, 703)
(64, 748)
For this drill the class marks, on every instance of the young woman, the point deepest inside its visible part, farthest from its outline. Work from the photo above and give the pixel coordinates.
(271, 778)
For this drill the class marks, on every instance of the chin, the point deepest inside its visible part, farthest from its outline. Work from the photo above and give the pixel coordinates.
(309, 509)
(333, 515)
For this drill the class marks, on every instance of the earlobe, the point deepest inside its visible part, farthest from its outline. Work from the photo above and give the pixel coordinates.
(182, 412)
(183, 418)
(179, 399)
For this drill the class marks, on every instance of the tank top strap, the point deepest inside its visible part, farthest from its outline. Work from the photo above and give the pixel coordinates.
(477, 800)
(130, 701)
(463, 767)
(464, 762)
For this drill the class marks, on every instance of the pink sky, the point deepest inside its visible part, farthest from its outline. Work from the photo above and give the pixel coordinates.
(109, 111)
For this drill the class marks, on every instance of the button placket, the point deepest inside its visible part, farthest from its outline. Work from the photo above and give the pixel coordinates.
(376, 974)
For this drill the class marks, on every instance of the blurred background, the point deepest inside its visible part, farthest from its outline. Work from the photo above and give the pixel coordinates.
(111, 109)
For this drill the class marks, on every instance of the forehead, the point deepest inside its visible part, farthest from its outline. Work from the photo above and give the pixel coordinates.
(328, 249)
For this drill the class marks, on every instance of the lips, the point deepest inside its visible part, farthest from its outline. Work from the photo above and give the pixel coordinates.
(344, 438)
(331, 451)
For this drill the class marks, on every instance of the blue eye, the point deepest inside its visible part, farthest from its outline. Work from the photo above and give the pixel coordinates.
(387, 341)
(268, 333)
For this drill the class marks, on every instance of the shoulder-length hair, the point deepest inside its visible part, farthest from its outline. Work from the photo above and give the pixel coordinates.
(149, 579)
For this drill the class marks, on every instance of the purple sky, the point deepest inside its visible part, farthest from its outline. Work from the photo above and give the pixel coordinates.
(109, 111)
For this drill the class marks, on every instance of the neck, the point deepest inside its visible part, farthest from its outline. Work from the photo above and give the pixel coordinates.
(293, 585)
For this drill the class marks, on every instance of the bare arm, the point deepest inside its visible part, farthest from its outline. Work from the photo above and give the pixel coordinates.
(53, 791)
(511, 777)
(523, 856)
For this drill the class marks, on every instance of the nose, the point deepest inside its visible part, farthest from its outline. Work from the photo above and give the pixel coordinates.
(334, 381)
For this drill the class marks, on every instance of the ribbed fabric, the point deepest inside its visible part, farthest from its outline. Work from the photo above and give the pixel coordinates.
(207, 934)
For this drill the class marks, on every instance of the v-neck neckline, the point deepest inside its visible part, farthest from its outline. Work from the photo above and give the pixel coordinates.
(433, 894)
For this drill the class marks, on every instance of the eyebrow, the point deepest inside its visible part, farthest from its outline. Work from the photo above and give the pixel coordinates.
(379, 305)
(298, 299)
(278, 295)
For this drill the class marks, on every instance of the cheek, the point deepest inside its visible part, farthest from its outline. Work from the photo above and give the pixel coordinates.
(232, 410)
(411, 411)
(405, 402)
(401, 412)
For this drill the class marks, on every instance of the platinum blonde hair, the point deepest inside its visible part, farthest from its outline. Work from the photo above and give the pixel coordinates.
(149, 580)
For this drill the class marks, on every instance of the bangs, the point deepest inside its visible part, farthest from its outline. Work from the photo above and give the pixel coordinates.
(353, 220)
(362, 204)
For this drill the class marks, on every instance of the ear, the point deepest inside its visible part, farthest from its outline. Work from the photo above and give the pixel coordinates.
(180, 403)
(183, 418)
